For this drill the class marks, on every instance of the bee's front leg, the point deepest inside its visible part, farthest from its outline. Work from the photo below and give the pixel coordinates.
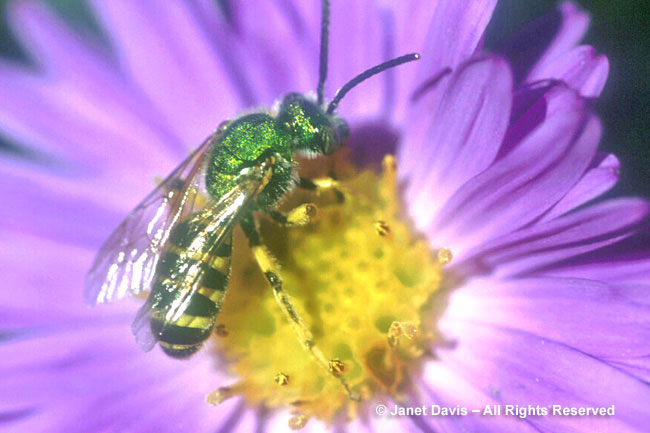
(269, 267)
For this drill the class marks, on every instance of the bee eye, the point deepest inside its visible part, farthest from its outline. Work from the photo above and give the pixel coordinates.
(328, 141)
(343, 130)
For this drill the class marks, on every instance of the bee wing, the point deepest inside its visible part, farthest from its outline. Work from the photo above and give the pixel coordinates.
(141, 328)
(127, 260)
(217, 221)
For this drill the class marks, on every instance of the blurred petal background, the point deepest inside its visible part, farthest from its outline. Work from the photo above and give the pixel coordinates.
(623, 110)
(620, 28)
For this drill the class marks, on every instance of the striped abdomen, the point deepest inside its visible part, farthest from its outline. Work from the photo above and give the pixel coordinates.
(190, 284)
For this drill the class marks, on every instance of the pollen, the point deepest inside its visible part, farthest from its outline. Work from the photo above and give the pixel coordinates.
(282, 379)
(360, 278)
(336, 366)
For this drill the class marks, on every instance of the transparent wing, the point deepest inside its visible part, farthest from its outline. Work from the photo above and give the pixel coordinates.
(126, 262)
(216, 221)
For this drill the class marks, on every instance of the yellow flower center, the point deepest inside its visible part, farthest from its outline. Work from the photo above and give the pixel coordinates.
(359, 278)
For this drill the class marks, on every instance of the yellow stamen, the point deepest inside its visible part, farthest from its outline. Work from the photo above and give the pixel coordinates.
(298, 422)
(444, 256)
(220, 330)
(222, 394)
(361, 295)
(336, 366)
(383, 229)
(400, 329)
(282, 379)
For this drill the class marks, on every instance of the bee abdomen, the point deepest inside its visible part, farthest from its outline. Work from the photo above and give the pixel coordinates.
(180, 351)
(180, 341)
(201, 298)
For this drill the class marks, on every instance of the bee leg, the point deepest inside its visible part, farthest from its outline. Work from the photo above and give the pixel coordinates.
(271, 271)
(299, 216)
(322, 184)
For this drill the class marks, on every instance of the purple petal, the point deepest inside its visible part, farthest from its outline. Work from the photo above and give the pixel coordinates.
(418, 122)
(73, 61)
(530, 107)
(602, 176)
(606, 321)
(406, 28)
(348, 56)
(608, 265)
(510, 366)
(572, 29)
(69, 123)
(582, 69)
(351, 54)
(545, 38)
(282, 55)
(63, 378)
(543, 244)
(525, 183)
(367, 422)
(47, 272)
(639, 367)
(445, 386)
(160, 61)
(119, 192)
(59, 215)
(70, 58)
(454, 36)
(243, 60)
(464, 137)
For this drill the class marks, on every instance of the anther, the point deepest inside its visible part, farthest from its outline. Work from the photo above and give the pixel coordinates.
(383, 229)
(444, 256)
(336, 367)
(282, 379)
(389, 184)
(399, 329)
(298, 422)
(409, 330)
(389, 165)
(221, 330)
(222, 394)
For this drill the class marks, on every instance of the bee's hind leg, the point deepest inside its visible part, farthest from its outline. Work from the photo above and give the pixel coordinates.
(271, 271)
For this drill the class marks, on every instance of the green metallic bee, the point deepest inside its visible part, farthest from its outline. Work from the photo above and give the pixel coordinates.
(176, 244)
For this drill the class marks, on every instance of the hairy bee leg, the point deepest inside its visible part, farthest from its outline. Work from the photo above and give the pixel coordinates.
(299, 216)
(270, 269)
(322, 184)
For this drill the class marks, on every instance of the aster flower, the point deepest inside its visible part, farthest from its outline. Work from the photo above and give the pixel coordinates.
(543, 303)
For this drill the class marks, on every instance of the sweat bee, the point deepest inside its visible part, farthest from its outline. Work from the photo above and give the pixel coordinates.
(176, 244)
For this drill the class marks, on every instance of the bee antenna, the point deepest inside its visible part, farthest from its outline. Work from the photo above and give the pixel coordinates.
(324, 46)
(367, 74)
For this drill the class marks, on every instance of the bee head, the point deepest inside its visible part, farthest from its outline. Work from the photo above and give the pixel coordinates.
(314, 130)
